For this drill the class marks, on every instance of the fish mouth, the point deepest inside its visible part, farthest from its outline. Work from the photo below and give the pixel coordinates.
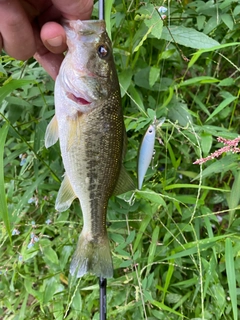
(79, 100)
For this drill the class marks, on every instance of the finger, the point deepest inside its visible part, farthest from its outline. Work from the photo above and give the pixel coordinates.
(17, 34)
(74, 9)
(0, 43)
(51, 62)
(53, 37)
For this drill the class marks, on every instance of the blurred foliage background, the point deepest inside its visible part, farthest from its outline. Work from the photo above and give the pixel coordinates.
(175, 243)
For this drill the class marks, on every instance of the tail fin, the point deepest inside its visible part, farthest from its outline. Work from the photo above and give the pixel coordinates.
(92, 256)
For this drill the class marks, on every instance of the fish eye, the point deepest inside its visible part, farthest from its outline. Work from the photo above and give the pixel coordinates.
(151, 130)
(103, 51)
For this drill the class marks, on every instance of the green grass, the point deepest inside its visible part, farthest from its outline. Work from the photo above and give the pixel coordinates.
(175, 243)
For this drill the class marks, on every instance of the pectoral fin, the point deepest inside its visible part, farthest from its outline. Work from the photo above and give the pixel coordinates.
(74, 131)
(51, 135)
(124, 183)
(65, 195)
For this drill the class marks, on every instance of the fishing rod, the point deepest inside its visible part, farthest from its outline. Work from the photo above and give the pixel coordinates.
(103, 298)
(101, 9)
(102, 281)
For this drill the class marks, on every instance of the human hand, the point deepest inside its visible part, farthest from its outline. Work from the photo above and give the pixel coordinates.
(30, 28)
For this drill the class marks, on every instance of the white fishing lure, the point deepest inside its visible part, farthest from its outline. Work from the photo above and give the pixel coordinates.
(146, 150)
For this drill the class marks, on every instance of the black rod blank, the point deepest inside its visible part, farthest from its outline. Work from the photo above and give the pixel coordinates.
(103, 298)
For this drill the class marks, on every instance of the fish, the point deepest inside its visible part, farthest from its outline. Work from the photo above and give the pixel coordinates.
(146, 150)
(89, 125)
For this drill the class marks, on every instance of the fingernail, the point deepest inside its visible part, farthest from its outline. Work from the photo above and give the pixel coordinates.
(55, 42)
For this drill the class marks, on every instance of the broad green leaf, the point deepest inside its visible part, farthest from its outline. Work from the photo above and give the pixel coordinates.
(140, 36)
(220, 165)
(216, 131)
(2, 70)
(155, 23)
(141, 79)
(210, 25)
(13, 84)
(178, 112)
(227, 19)
(226, 82)
(194, 186)
(23, 308)
(172, 155)
(152, 19)
(188, 199)
(65, 254)
(28, 194)
(198, 80)
(234, 197)
(151, 25)
(153, 75)
(168, 278)
(151, 113)
(50, 287)
(130, 237)
(136, 98)
(166, 54)
(215, 48)
(200, 22)
(58, 309)
(162, 306)
(219, 295)
(50, 255)
(3, 201)
(188, 37)
(77, 301)
(125, 78)
(192, 247)
(118, 238)
(152, 248)
(29, 284)
(141, 231)
(206, 143)
(226, 3)
(152, 196)
(108, 9)
(221, 106)
(231, 276)
(236, 10)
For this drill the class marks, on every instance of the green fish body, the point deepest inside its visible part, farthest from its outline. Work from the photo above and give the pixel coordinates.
(89, 124)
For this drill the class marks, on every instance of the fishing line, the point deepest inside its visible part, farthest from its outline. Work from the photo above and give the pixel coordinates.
(146, 149)
(162, 11)
(168, 27)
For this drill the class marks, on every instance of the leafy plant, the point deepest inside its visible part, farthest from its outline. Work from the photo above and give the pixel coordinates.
(175, 243)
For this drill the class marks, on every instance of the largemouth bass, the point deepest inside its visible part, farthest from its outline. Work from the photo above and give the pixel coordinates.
(89, 124)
